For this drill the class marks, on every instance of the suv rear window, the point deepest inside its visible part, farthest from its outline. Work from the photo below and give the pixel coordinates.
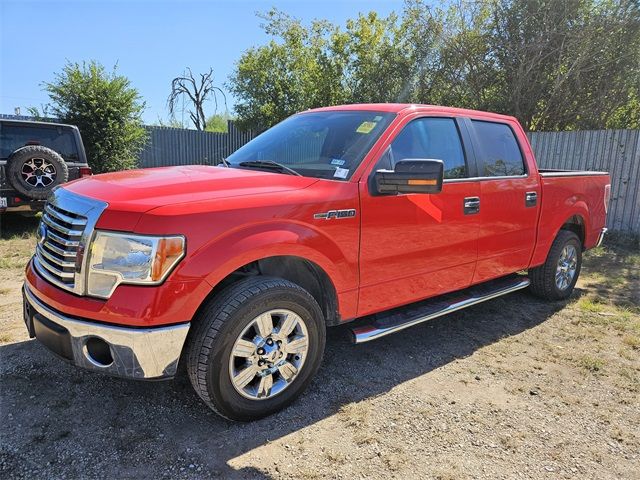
(59, 139)
(500, 154)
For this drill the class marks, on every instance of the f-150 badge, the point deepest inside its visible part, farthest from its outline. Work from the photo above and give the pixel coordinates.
(335, 214)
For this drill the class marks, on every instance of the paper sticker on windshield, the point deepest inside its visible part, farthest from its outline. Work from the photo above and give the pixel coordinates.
(341, 173)
(337, 161)
(366, 127)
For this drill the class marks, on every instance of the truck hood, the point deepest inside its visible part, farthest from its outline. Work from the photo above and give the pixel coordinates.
(142, 190)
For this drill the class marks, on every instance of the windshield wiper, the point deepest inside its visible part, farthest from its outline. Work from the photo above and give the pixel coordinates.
(225, 163)
(269, 164)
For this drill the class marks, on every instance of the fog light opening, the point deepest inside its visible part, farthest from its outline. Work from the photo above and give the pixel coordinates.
(98, 352)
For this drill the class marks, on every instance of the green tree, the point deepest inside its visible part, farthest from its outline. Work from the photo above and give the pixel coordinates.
(105, 108)
(217, 123)
(554, 64)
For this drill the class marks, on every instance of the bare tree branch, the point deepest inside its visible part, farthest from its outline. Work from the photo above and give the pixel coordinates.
(197, 92)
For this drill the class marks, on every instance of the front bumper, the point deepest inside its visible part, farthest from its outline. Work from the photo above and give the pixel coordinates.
(137, 353)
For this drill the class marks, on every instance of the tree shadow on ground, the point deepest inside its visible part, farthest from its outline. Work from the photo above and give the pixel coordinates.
(59, 420)
(17, 225)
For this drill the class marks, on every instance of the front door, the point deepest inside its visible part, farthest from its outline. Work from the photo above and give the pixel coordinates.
(415, 246)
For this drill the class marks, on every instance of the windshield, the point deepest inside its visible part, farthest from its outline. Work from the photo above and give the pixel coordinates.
(317, 144)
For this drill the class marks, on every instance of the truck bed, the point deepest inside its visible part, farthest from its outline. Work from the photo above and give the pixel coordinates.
(568, 193)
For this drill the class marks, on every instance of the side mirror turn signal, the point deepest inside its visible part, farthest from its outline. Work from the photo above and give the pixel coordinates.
(411, 176)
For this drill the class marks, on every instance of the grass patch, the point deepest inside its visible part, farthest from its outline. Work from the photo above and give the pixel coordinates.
(354, 414)
(5, 338)
(590, 305)
(632, 341)
(592, 364)
(17, 241)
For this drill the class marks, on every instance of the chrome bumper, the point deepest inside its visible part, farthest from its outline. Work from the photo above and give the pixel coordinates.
(601, 236)
(137, 353)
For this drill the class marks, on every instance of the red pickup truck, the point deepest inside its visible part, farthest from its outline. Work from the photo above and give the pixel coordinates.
(386, 213)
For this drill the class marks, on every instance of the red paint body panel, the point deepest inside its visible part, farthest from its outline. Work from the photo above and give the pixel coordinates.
(507, 226)
(415, 246)
(567, 196)
(132, 305)
(396, 250)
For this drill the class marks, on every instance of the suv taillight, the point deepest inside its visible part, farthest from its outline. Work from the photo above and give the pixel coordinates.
(607, 197)
(85, 172)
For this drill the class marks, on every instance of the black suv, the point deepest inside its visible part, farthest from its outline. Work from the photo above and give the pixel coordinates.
(34, 158)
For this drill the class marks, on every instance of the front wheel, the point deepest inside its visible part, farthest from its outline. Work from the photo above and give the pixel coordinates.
(255, 347)
(556, 278)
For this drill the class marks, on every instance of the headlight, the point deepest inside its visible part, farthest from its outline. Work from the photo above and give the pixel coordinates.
(117, 258)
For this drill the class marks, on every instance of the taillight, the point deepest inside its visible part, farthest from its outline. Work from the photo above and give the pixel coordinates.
(607, 197)
(85, 172)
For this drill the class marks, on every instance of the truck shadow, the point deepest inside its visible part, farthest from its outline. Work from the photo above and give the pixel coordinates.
(61, 421)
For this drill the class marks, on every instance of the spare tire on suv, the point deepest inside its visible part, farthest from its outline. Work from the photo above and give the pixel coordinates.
(34, 170)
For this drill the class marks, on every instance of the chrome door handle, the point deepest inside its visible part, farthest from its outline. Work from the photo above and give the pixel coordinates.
(530, 199)
(471, 205)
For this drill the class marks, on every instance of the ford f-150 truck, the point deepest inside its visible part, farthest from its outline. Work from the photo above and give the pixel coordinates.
(385, 213)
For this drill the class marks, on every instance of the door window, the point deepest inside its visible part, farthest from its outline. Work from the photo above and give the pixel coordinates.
(499, 154)
(432, 138)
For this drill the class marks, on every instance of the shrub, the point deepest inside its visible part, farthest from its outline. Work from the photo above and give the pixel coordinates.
(106, 109)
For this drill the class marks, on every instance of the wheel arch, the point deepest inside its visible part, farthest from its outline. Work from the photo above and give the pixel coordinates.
(299, 270)
(550, 224)
(575, 224)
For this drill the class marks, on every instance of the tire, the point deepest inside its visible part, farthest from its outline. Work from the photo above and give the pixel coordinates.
(543, 278)
(35, 170)
(232, 315)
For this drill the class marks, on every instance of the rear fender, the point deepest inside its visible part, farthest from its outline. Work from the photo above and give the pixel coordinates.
(550, 224)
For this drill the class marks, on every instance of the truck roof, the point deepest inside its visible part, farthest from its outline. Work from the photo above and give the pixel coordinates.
(402, 107)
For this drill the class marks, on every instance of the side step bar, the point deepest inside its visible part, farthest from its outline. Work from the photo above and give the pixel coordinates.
(386, 323)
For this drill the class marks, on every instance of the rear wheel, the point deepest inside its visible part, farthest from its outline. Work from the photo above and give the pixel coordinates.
(255, 347)
(556, 278)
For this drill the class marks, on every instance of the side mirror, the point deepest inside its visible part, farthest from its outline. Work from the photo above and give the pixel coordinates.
(411, 176)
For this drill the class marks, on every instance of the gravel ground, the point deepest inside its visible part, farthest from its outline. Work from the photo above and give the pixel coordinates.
(512, 388)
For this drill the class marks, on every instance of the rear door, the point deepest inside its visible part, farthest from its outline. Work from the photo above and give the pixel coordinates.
(414, 246)
(509, 198)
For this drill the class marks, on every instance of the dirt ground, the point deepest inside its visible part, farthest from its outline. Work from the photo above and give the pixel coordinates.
(513, 388)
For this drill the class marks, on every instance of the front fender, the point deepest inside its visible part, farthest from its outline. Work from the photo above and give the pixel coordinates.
(236, 248)
(251, 243)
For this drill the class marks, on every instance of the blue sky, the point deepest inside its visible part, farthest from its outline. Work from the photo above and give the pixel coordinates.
(152, 41)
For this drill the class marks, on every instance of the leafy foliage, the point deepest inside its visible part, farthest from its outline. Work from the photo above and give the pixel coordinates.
(106, 109)
(217, 124)
(554, 64)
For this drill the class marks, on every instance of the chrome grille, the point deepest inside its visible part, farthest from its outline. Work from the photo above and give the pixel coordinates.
(59, 239)
(65, 230)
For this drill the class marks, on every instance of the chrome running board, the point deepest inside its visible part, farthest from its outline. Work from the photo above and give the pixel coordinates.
(386, 323)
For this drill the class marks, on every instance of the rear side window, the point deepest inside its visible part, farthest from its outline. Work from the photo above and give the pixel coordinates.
(499, 154)
(434, 138)
(59, 139)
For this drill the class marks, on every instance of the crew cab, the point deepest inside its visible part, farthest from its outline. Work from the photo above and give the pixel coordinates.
(391, 214)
